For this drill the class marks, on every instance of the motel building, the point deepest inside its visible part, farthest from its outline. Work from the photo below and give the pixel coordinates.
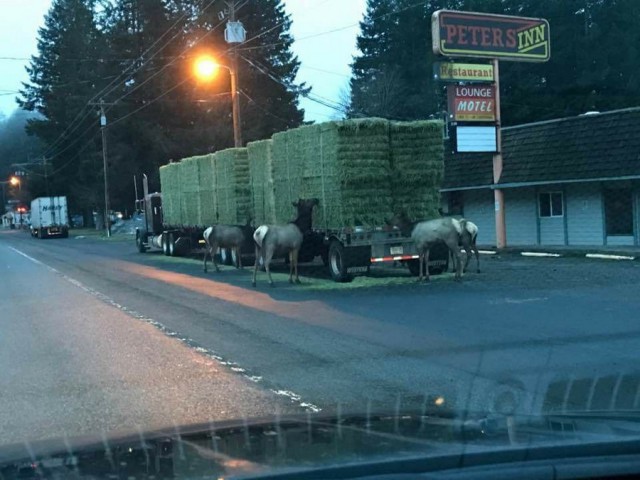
(571, 181)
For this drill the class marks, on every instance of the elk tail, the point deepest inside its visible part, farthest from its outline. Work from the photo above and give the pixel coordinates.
(259, 234)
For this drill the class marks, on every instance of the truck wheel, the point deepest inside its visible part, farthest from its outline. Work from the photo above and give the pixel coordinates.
(140, 243)
(171, 245)
(337, 264)
(165, 243)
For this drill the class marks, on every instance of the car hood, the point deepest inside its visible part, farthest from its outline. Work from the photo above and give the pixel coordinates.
(293, 446)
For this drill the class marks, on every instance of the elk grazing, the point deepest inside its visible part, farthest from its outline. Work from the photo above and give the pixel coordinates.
(428, 233)
(286, 239)
(468, 242)
(225, 236)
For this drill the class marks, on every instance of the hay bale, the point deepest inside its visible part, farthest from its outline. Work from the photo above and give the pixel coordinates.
(261, 181)
(232, 186)
(344, 164)
(171, 194)
(417, 166)
(206, 198)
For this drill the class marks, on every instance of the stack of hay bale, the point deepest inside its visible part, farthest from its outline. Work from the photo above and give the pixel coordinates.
(343, 164)
(232, 186)
(170, 187)
(190, 190)
(206, 199)
(261, 182)
(417, 167)
(362, 171)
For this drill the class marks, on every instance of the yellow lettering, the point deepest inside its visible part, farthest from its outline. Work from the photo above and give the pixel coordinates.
(539, 31)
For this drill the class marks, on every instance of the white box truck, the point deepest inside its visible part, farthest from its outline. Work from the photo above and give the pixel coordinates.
(49, 217)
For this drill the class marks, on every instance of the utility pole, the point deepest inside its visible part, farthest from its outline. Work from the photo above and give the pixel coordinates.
(235, 100)
(103, 129)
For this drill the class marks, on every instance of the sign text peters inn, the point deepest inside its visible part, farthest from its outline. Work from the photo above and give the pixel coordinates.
(465, 34)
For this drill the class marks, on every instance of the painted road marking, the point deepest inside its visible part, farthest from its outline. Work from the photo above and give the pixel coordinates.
(233, 366)
(609, 257)
(539, 254)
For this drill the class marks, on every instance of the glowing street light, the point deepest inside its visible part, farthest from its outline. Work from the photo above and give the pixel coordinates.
(14, 181)
(205, 68)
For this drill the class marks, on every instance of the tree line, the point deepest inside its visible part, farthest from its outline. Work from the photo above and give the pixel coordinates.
(136, 56)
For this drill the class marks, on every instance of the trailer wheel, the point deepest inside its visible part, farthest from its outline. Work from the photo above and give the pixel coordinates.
(171, 245)
(140, 243)
(337, 264)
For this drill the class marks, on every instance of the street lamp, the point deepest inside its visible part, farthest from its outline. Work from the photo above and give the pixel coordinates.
(205, 68)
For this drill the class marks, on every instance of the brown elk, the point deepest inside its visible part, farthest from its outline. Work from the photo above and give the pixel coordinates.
(427, 234)
(225, 236)
(286, 239)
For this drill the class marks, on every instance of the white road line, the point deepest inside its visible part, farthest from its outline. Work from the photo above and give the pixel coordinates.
(609, 257)
(487, 252)
(539, 254)
(234, 367)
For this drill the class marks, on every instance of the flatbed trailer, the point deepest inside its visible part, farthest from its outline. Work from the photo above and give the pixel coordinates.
(346, 252)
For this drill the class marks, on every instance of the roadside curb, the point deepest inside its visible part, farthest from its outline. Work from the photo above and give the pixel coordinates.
(619, 255)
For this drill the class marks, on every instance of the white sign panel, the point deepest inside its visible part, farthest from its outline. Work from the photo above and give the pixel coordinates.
(476, 139)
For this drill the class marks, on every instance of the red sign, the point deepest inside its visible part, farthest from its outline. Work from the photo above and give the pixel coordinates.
(470, 34)
(472, 103)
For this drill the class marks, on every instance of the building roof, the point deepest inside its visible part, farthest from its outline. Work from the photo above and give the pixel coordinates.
(586, 147)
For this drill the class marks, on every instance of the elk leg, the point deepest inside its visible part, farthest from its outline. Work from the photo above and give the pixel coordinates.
(295, 260)
(475, 250)
(267, 261)
(458, 262)
(255, 266)
(239, 257)
(420, 260)
(291, 266)
(214, 247)
(427, 278)
(206, 254)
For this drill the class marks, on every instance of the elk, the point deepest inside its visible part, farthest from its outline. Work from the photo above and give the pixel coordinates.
(468, 242)
(428, 233)
(225, 236)
(286, 239)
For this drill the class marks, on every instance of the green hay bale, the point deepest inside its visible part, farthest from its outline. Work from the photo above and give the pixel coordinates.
(417, 165)
(232, 186)
(344, 164)
(170, 187)
(207, 200)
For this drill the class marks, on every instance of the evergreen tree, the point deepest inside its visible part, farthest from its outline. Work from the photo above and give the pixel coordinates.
(595, 64)
(64, 76)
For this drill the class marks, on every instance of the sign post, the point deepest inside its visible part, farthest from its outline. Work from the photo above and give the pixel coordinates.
(495, 37)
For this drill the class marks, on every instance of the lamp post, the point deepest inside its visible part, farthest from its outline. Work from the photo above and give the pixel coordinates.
(205, 69)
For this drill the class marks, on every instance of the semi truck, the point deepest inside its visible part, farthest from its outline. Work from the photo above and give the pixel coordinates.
(49, 217)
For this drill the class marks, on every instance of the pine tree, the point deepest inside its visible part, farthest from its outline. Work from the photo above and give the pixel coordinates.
(64, 76)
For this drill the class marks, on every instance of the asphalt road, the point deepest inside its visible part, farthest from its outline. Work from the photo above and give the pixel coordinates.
(96, 336)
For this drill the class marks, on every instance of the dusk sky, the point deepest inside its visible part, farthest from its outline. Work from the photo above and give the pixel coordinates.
(325, 58)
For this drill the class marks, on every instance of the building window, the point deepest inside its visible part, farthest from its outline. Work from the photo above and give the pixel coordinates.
(551, 204)
(618, 211)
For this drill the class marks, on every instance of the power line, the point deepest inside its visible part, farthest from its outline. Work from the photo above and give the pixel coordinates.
(286, 122)
(145, 105)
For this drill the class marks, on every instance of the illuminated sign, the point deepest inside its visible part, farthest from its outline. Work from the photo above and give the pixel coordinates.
(462, 72)
(472, 103)
(476, 139)
(467, 34)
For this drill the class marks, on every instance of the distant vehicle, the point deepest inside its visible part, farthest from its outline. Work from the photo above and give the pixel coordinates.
(49, 217)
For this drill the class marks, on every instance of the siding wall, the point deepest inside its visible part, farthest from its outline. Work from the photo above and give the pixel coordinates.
(479, 208)
(520, 213)
(585, 223)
